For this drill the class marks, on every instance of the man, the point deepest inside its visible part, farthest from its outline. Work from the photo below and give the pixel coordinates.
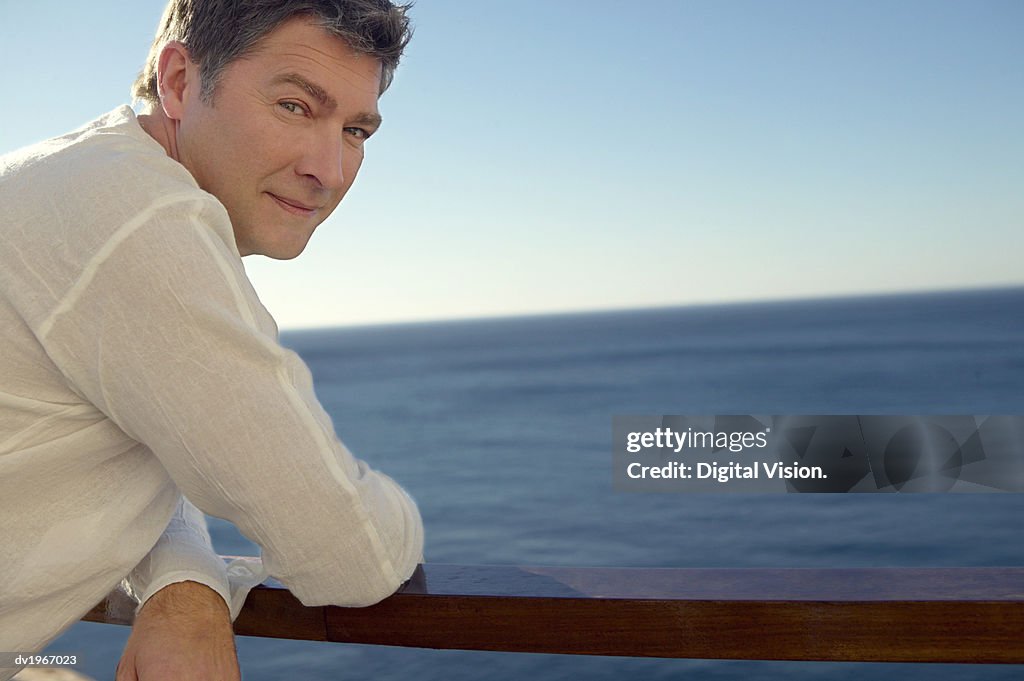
(142, 380)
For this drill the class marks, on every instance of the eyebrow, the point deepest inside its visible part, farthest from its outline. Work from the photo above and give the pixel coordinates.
(318, 93)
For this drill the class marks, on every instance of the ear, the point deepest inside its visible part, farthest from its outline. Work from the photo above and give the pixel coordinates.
(176, 76)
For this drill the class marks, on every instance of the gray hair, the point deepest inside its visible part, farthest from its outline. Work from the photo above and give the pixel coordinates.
(216, 32)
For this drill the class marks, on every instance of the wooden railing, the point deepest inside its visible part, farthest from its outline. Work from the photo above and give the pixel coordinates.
(867, 614)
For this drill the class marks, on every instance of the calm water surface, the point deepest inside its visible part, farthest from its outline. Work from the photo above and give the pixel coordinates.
(501, 430)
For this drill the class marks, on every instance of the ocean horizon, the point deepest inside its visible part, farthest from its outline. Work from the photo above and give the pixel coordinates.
(572, 312)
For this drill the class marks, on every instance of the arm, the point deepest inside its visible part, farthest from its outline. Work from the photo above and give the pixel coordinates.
(165, 335)
(182, 632)
(183, 553)
(182, 626)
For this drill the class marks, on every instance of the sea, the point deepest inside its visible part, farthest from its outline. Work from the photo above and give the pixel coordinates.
(501, 430)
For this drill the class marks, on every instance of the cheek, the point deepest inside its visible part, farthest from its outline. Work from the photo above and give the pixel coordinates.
(352, 162)
(245, 133)
(219, 156)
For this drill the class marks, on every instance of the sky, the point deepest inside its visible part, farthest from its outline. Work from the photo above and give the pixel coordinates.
(545, 156)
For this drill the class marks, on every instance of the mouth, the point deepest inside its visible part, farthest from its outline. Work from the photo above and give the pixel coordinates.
(294, 207)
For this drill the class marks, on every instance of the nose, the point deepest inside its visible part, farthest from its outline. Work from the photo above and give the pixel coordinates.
(323, 161)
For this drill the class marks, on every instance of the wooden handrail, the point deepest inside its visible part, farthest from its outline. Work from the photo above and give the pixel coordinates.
(859, 614)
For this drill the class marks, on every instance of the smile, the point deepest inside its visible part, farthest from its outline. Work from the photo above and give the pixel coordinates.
(294, 207)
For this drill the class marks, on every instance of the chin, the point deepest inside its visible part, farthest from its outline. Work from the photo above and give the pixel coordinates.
(284, 253)
(281, 250)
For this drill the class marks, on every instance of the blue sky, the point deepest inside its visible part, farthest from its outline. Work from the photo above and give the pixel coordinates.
(541, 156)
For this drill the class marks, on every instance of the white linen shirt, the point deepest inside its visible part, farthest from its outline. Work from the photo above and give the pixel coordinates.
(138, 365)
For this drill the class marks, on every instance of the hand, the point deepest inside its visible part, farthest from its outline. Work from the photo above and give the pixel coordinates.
(182, 633)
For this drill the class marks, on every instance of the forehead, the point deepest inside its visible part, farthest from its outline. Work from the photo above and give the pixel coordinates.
(300, 46)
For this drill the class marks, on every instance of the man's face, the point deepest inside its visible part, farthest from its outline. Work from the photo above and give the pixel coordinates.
(283, 139)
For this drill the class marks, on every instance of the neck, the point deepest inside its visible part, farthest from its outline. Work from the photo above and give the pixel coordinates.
(161, 128)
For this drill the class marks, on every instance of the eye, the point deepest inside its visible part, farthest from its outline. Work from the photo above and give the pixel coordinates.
(358, 133)
(293, 108)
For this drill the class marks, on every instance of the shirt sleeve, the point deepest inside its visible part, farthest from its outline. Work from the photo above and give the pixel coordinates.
(164, 334)
(183, 553)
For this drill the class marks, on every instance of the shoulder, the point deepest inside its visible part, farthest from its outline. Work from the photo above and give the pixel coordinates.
(71, 200)
(109, 167)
